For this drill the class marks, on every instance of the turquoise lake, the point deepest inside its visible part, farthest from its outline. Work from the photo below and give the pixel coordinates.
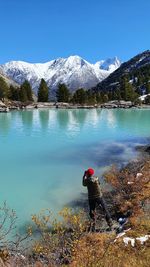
(45, 152)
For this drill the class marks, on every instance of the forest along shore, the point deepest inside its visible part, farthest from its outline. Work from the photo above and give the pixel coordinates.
(7, 106)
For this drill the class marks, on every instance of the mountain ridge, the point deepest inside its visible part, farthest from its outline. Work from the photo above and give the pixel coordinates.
(136, 70)
(74, 71)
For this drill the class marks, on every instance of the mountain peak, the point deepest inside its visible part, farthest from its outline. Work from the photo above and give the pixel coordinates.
(76, 61)
(74, 71)
(110, 64)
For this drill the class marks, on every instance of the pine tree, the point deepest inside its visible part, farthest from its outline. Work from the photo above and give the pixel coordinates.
(105, 98)
(63, 93)
(43, 91)
(13, 93)
(80, 96)
(4, 89)
(99, 97)
(91, 97)
(23, 94)
(116, 94)
(28, 90)
(127, 90)
(147, 87)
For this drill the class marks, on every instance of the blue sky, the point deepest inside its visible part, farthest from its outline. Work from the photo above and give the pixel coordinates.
(42, 30)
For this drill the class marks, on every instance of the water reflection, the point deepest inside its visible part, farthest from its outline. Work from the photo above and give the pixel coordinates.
(5, 123)
(79, 116)
(44, 118)
(27, 119)
(63, 118)
(111, 119)
(135, 121)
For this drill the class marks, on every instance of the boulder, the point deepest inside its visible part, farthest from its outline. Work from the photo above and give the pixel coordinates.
(2, 105)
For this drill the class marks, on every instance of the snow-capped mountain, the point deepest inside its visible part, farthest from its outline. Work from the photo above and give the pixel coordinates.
(136, 67)
(8, 80)
(74, 71)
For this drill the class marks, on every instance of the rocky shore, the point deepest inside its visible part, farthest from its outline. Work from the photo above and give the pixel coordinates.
(7, 106)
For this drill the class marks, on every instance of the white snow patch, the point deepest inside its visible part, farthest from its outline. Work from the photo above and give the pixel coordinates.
(142, 98)
(142, 239)
(126, 240)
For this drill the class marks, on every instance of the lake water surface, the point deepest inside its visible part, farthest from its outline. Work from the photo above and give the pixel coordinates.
(45, 152)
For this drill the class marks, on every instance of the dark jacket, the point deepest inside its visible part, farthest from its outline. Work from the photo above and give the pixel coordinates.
(93, 186)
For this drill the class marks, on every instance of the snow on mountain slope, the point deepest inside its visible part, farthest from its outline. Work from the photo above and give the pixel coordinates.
(110, 64)
(8, 80)
(74, 71)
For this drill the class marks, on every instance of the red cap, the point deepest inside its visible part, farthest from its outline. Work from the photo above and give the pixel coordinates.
(90, 171)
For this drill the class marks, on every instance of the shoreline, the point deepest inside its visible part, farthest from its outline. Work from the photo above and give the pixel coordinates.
(16, 105)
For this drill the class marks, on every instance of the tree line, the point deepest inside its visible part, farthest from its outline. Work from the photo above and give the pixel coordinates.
(24, 93)
(125, 91)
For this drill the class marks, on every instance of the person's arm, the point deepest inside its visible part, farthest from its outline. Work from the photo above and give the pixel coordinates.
(100, 187)
(84, 180)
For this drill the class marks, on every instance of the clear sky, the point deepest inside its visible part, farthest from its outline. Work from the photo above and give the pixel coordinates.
(42, 30)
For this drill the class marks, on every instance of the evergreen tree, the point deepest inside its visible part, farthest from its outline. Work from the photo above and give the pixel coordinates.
(116, 94)
(23, 94)
(147, 87)
(43, 91)
(13, 93)
(80, 96)
(127, 90)
(99, 98)
(4, 89)
(28, 89)
(63, 93)
(105, 98)
(91, 97)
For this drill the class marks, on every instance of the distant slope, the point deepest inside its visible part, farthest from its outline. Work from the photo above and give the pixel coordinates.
(136, 70)
(8, 80)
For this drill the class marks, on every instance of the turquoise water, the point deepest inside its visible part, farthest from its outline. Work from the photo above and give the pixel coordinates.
(45, 152)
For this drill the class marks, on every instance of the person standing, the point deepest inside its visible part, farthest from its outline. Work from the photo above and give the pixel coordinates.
(95, 196)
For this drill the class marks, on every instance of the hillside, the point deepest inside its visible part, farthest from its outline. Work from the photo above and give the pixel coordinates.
(135, 71)
(8, 80)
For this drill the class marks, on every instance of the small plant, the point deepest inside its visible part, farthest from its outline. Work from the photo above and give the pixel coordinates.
(57, 238)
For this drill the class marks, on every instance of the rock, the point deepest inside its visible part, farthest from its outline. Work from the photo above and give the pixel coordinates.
(4, 109)
(32, 106)
(44, 104)
(139, 175)
(2, 105)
